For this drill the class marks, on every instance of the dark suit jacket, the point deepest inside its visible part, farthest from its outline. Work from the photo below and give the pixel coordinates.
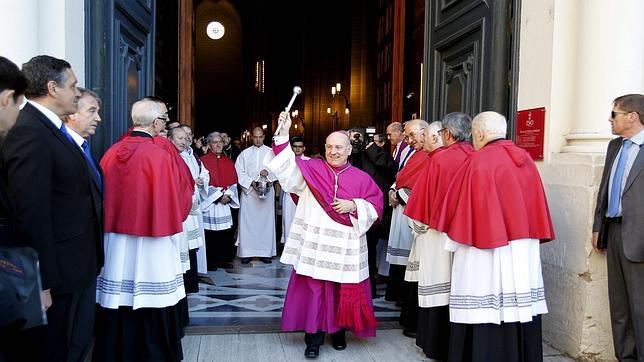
(381, 166)
(58, 206)
(7, 217)
(632, 203)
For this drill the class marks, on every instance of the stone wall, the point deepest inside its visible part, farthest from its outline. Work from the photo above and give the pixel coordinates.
(574, 275)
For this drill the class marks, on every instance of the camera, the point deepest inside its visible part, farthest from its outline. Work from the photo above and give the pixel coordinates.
(357, 145)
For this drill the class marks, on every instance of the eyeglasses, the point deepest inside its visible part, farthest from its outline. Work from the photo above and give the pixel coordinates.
(413, 134)
(441, 130)
(614, 114)
(163, 119)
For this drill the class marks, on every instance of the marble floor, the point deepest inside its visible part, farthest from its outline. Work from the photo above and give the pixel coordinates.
(389, 345)
(237, 319)
(249, 298)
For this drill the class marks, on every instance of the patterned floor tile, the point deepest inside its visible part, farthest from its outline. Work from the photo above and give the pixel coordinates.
(253, 295)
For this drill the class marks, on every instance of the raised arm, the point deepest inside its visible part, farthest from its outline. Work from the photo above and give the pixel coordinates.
(284, 165)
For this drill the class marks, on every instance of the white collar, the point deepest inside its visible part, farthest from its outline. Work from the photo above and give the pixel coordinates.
(53, 117)
(75, 136)
(187, 151)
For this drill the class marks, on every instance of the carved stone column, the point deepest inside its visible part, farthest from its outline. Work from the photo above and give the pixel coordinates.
(610, 62)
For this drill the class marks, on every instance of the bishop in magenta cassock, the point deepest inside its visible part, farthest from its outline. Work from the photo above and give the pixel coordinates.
(329, 289)
(431, 265)
(147, 198)
(495, 214)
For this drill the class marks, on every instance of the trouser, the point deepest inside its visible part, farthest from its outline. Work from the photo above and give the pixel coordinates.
(409, 310)
(373, 235)
(67, 335)
(626, 299)
(219, 247)
(190, 277)
(317, 339)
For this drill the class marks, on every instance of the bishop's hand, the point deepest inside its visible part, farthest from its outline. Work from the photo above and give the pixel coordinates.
(343, 206)
(285, 119)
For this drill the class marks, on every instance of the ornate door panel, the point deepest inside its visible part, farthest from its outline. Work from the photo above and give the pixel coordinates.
(468, 56)
(120, 63)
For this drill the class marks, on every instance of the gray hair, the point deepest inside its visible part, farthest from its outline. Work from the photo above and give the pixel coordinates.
(491, 123)
(172, 132)
(417, 123)
(211, 136)
(88, 92)
(459, 125)
(433, 129)
(395, 126)
(144, 112)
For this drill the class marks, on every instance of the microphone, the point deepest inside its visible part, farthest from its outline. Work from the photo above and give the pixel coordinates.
(296, 91)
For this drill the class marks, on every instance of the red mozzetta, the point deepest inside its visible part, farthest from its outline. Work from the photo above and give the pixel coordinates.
(147, 190)
(495, 197)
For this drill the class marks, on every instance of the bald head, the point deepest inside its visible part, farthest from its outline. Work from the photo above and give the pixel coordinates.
(258, 136)
(486, 127)
(339, 136)
(433, 139)
(337, 148)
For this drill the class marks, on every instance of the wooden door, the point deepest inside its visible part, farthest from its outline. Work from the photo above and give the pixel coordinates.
(468, 56)
(120, 61)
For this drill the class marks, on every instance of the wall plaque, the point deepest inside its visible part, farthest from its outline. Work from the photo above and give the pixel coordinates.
(531, 130)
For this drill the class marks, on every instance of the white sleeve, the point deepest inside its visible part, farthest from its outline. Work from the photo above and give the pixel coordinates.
(284, 167)
(205, 176)
(267, 159)
(208, 196)
(243, 178)
(404, 194)
(417, 228)
(234, 196)
(367, 215)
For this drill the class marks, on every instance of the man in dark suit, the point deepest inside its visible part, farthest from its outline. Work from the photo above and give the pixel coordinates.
(381, 166)
(81, 126)
(12, 89)
(50, 182)
(618, 225)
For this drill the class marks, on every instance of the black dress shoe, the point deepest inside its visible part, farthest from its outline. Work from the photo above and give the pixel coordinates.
(205, 280)
(338, 341)
(339, 347)
(265, 260)
(312, 351)
(245, 260)
(409, 333)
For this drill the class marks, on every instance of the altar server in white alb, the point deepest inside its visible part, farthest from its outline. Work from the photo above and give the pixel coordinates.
(288, 200)
(495, 214)
(217, 202)
(193, 225)
(148, 194)
(256, 235)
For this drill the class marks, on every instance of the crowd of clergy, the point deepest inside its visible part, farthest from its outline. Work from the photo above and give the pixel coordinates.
(459, 228)
(460, 222)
